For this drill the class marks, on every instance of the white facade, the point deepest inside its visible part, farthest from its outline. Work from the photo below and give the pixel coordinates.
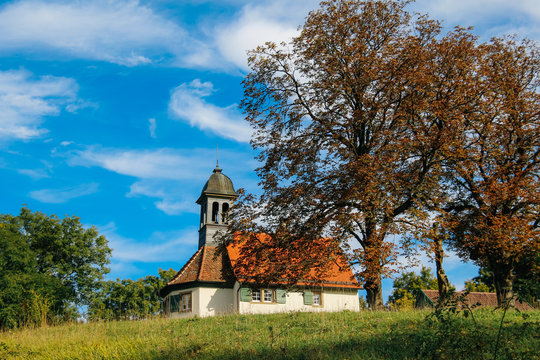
(205, 301)
(331, 299)
(210, 301)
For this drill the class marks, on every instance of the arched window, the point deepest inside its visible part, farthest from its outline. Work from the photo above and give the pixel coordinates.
(224, 210)
(215, 212)
(203, 215)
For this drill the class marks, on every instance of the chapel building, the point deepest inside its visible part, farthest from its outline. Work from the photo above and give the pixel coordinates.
(211, 282)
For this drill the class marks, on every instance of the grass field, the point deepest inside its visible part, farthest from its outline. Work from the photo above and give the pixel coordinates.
(363, 335)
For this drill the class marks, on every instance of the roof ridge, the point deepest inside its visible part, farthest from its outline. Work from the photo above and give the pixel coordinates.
(202, 263)
(186, 265)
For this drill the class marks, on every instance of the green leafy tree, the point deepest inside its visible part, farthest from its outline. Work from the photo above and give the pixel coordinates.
(129, 299)
(526, 285)
(407, 286)
(49, 267)
(481, 283)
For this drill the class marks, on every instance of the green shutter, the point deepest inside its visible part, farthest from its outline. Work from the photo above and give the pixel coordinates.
(280, 296)
(308, 298)
(175, 303)
(245, 294)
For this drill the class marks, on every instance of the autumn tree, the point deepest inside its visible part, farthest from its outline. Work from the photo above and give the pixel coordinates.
(492, 214)
(352, 119)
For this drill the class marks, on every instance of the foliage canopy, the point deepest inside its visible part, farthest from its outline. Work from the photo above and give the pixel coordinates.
(49, 266)
(371, 120)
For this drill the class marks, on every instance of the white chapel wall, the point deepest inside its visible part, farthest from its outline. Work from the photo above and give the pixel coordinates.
(332, 300)
(194, 303)
(215, 301)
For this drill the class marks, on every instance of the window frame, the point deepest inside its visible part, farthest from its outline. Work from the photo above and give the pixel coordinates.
(258, 296)
(253, 297)
(189, 305)
(272, 295)
(319, 295)
(181, 303)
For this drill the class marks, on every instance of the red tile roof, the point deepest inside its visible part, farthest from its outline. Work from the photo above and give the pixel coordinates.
(485, 299)
(206, 265)
(321, 264)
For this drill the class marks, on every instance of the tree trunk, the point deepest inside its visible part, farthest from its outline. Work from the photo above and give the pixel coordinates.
(374, 294)
(503, 279)
(442, 280)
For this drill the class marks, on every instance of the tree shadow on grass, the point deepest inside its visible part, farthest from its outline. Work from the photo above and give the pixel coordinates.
(425, 342)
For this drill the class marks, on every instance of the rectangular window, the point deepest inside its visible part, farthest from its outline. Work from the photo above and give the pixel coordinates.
(186, 302)
(256, 295)
(174, 303)
(317, 299)
(180, 302)
(268, 296)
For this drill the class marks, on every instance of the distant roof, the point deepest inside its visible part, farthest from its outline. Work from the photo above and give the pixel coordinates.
(485, 299)
(332, 271)
(218, 184)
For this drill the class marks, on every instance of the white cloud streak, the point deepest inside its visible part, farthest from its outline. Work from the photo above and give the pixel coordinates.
(159, 247)
(166, 164)
(488, 17)
(62, 195)
(152, 127)
(173, 177)
(122, 32)
(187, 103)
(173, 198)
(26, 100)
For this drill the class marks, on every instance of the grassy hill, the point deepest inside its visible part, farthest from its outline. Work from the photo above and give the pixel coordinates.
(363, 335)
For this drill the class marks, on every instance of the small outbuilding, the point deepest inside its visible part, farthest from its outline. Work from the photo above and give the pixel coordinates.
(429, 298)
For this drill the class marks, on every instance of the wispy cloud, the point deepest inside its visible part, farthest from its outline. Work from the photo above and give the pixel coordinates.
(258, 23)
(34, 173)
(174, 177)
(144, 164)
(160, 246)
(490, 17)
(188, 104)
(152, 127)
(174, 199)
(122, 32)
(25, 100)
(62, 195)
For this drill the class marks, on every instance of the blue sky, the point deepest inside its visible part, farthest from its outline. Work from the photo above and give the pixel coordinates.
(111, 110)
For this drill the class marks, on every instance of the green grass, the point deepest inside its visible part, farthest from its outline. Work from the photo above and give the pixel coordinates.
(363, 335)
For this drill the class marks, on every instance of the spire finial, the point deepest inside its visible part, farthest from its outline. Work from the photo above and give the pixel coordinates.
(217, 169)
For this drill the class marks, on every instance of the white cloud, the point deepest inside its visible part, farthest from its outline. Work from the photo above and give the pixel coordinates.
(152, 127)
(25, 100)
(34, 173)
(173, 177)
(187, 103)
(489, 17)
(122, 32)
(159, 247)
(258, 23)
(146, 164)
(57, 196)
(173, 198)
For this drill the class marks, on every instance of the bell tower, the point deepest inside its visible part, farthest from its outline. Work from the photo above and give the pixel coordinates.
(217, 196)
